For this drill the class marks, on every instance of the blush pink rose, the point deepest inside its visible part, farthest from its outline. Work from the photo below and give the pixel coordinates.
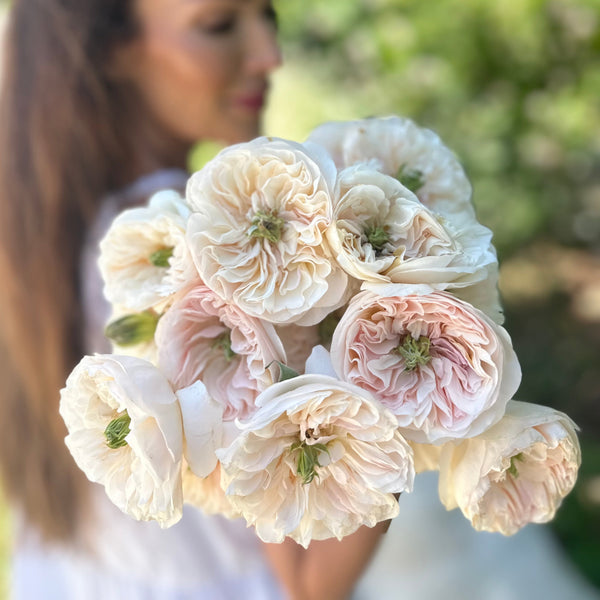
(442, 367)
(201, 337)
(515, 473)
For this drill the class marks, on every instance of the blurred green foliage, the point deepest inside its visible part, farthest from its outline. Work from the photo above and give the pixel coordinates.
(514, 89)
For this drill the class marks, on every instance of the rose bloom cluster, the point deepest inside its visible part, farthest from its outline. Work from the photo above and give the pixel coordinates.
(302, 332)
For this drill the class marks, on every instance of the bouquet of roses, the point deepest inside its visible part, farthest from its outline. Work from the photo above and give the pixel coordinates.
(310, 326)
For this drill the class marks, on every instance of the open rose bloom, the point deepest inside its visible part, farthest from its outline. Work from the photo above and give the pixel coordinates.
(322, 322)
(385, 237)
(441, 366)
(257, 231)
(125, 432)
(318, 459)
(515, 473)
(201, 337)
(399, 148)
(144, 258)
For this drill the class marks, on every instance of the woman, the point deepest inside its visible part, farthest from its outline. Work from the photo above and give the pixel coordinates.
(101, 103)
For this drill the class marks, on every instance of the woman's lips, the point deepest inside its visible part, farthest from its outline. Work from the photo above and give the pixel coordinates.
(252, 102)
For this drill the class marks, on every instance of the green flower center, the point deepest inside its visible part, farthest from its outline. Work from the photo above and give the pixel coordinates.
(266, 225)
(307, 458)
(117, 430)
(160, 257)
(378, 237)
(415, 352)
(223, 344)
(513, 464)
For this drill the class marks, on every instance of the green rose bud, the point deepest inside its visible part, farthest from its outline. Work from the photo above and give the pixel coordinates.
(117, 430)
(133, 329)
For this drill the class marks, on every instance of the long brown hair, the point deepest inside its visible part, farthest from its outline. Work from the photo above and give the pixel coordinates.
(61, 149)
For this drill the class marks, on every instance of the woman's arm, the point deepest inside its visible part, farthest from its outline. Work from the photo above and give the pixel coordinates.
(328, 569)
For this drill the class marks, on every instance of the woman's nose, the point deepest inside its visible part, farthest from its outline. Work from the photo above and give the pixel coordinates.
(263, 53)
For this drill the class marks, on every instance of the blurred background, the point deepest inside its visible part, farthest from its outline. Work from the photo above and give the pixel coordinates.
(514, 89)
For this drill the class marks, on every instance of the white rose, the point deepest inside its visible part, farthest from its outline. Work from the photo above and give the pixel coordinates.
(515, 473)
(383, 235)
(401, 149)
(143, 257)
(125, 433)
(319, 458)
(257, 233)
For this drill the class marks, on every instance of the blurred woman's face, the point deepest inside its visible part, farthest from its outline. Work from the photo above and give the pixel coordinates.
(202, 66)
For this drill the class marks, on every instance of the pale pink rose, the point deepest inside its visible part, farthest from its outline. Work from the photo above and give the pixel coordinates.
(515, 473)
(257, 233)
(201, 337)
(416, 156)
(298, 343)
(441, 366)
(385, 237)
(317, 460)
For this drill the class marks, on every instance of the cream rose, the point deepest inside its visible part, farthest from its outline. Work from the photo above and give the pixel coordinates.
(207, 494)
(201, 337)
(257, 234)
(441, 366)
(125, 433)
(515, 473)
(144, 258)
(318, 459)
(384, 236)
(414, 155)
(426, 456)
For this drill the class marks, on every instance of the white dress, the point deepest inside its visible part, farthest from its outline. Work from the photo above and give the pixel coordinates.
(199, 558)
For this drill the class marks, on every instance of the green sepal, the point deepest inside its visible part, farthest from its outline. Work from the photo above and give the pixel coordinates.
(130, 330)
(285, 372)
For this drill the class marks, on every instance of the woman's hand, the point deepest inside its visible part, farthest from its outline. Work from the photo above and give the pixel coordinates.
(327, 569)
